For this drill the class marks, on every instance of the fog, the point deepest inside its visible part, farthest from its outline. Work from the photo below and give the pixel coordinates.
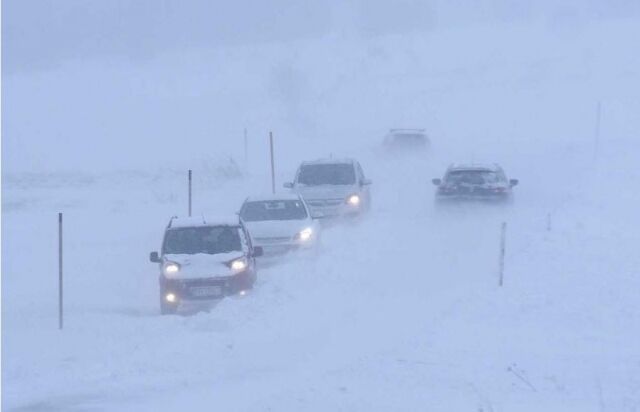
(106, 105)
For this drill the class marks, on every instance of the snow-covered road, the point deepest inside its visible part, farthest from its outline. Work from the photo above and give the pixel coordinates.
(400, 310)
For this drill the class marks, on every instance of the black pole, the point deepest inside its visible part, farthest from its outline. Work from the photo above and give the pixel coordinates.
(273, 172)
(60, 312)
(189, 192)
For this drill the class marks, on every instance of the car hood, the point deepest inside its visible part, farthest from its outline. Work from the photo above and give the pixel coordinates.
(326, 191)
(276, 228)
(202, 265)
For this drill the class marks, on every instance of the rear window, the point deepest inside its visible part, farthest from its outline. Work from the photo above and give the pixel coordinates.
(473, 177)
(409, 137)
(273, 210)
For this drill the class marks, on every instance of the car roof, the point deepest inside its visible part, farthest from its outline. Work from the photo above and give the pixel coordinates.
(345, 160)
(202, 220)
(273, 197)
(493, 167)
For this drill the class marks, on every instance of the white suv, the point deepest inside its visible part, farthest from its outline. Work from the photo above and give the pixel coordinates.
(332, 187)
(204, 259)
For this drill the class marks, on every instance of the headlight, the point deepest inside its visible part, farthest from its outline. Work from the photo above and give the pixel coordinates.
(170, 297)
(304, 234)
(238, 265)
(171, 268)
(353, 200)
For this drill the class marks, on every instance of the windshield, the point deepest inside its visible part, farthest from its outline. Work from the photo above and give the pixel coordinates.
(273, 210)
(473, 177)
(206, 239)
(327, 174)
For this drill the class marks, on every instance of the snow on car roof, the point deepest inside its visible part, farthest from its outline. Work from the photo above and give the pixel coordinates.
(475, 166)
(329, 161)
(204, 220)
(272, 197)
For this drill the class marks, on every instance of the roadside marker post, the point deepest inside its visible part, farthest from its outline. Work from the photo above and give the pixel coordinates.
(503, 242)
(596, 143)
(190, 179)
(548, 222)
(246, 152)
(60, 291)
(273, 172)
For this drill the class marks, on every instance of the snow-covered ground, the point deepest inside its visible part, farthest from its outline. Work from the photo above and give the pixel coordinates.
(398, 311)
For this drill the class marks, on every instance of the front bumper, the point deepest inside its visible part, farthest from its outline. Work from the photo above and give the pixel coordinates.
(207, 288)
(333, 211)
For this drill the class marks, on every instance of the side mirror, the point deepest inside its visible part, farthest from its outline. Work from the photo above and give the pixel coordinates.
(288, 185)
(513, 182)
(436, 182)
(153, 257)
(365, 182)
(258, 251)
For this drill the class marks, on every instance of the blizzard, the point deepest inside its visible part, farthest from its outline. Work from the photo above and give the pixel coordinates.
(400, 310)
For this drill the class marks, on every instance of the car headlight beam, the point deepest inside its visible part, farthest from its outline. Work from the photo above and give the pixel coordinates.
(239, 265)
(171, 268)
(305, 234)
(353, 200)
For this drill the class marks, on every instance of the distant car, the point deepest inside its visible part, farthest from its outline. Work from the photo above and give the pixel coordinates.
(406, 140)
(474, 182)
(204, 259)
(332, 187)
(279, 223)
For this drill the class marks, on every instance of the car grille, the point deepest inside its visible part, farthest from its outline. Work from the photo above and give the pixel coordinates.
(271, 240)
(324, 202)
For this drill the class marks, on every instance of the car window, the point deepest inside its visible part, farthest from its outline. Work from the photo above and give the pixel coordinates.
(207, 239)
(273, 210)
(326, 174)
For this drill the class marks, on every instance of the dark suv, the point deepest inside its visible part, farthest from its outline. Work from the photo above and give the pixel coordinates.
(474, 182)
(203, 259)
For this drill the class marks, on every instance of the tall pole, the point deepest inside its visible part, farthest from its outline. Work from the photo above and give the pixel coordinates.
(60, 313)
(246, 152)
(503, 241)
(273, 172)
(189, 192)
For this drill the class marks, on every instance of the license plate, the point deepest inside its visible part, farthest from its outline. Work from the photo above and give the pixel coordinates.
(206, 291)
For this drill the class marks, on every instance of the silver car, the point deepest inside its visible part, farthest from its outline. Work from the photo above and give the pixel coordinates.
(332, 187)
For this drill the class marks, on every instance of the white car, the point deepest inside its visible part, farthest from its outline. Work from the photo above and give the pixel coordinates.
(279, 223)
(332, 187)
(204, 258)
